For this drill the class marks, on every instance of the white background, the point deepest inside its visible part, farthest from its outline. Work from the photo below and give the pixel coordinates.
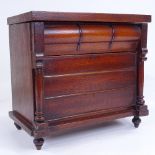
(117, 137)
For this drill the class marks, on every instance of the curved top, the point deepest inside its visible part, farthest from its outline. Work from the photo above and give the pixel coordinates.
(68, 16)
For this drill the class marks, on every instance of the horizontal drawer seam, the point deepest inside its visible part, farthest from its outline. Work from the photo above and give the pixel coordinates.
(88, 92)
(90, 73)
(136, 40)
(47, 57)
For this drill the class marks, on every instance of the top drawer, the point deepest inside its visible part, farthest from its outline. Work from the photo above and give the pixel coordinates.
(90, 38)
(72, 33)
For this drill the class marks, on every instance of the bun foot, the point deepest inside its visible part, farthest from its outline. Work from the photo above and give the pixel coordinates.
(136, 121)
(38, 142)
(17, 126)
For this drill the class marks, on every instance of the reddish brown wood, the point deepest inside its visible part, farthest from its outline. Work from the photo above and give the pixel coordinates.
(39, 116)
(86, 102)
(71, 71)
(142, 58)
(81, 83)
(81, 121)
(140, 76)
(37, 30)
(38, 38)
(90, 33)
(65, 38)
(66, 16)
(21, 70)
(86, 48)
(88, 63)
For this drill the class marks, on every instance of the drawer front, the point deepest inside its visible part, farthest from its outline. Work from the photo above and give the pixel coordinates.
(72, 105)
(99, 47)
(82, 83)
(62, 39)
(58, 86)
(70, 33)
(59, 65)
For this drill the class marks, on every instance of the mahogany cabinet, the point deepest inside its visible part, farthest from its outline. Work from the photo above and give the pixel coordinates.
(75, 70)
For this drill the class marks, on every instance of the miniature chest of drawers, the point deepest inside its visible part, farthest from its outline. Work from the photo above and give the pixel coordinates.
(74, 70)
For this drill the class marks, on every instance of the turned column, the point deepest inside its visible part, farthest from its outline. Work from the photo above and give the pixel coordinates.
(140, 74)
(39, 117)
(38, 50)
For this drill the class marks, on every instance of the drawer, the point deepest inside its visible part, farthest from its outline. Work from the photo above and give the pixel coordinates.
(98, 47)
(70, 33)
(66, 106)
(82, 83)
(60, 65)
(57, 86)
(81, 38)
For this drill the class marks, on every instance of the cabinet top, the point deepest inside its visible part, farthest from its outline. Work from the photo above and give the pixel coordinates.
(72, 16)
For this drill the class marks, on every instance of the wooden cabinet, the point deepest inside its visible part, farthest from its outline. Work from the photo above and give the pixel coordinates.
(74, 70)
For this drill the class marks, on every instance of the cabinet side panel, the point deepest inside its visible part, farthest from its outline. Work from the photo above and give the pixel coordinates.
(21, 70)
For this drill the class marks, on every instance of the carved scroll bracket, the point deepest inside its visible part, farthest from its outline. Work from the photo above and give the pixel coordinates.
(143, 57)
(140, 102)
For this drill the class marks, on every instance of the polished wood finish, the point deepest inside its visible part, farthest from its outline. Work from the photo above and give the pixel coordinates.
(99, 81)
(59, 33)
(140, 76)
(87, 48)
(76, 104)
(21, 70)
(88, 63)
(84, 38)
(66, 16)
(71, 71)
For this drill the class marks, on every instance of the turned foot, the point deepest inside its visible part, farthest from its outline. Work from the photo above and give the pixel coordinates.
(136, 121)
(38, 143)
(17, 126)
